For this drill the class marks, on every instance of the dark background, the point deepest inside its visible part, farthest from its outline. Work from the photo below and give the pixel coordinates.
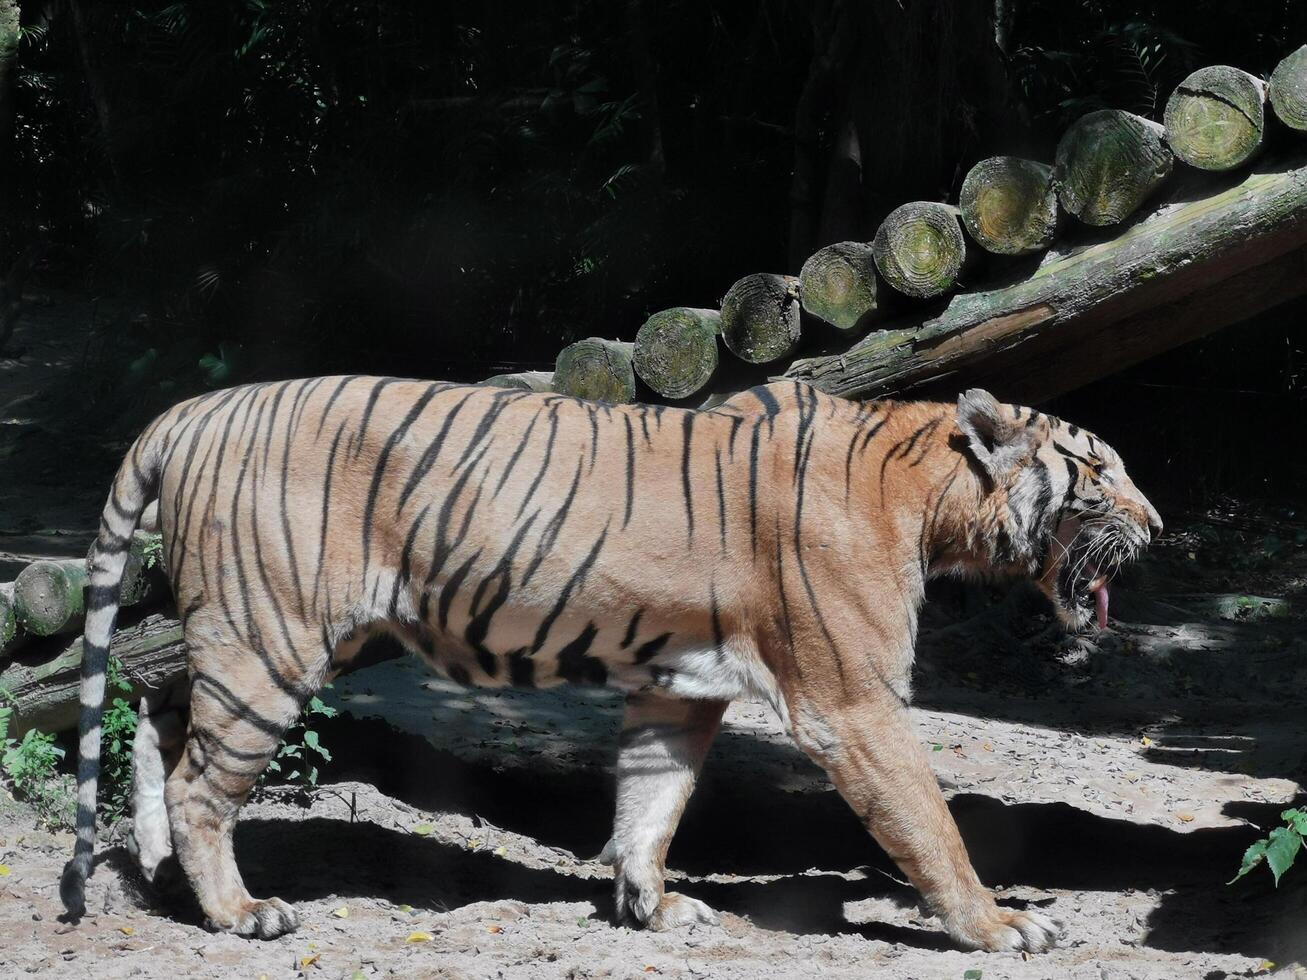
(451, 189)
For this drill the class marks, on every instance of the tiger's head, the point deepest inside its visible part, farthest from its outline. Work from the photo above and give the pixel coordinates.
(1058, 505)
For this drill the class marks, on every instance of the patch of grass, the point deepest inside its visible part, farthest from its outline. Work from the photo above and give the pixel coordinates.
(31, 770)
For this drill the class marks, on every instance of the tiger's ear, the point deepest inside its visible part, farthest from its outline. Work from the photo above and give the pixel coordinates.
(1000, 444)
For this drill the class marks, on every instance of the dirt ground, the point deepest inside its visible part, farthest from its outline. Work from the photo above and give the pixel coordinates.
(1112, 781)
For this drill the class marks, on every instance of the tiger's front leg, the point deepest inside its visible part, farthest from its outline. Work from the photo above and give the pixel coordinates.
(660, 752)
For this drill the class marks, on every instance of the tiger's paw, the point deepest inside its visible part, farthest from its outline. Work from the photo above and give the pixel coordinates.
(267, 919)
(1001, 929)
(676, 910)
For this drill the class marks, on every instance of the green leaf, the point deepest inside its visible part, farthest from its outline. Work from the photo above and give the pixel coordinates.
(1281, 849)
(972, 975)
(423, 829)
(1296, 819)
(1251, 858)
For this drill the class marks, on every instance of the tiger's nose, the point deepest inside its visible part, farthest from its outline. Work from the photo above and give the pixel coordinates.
(1154, 522)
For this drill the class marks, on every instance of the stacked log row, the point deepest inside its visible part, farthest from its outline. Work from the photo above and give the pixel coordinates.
(761, 319)
(1009, 205)
(1214, 120)
(838, 285)
(1108, 163)
(597, 370)
(1288, 90)
(919, 248)
(676, 351)
(47, 598)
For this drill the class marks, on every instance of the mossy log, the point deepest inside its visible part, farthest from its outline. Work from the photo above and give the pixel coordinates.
(1191, 267)
(41, 683)
(676, 350)
(761, 318)
(1215, 118)
(919, 248)
(9, 630)
(1009, 205)
(595, 369)
(1108, 163)
(838, 285)
(522, 380)
(1288, 90)
(48, 596)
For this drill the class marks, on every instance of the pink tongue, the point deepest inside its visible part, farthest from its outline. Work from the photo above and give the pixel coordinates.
(1100, 606)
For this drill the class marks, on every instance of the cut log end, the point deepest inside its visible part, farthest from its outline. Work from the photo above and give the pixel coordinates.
(1009, 205)
(919, 248)
(760, 318)
(1108, 163)
(1214, 120)
(1288, 90)
(522, 381)
(676, 350)
(838, 285)
(48, 596)
(597, 370)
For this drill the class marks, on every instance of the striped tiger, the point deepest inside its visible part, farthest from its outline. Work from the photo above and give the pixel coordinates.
(775, 547)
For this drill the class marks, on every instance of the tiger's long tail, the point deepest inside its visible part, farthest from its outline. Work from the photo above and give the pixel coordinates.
(134, 486)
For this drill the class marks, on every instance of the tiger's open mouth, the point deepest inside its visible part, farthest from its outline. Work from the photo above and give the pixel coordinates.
(1083, 589)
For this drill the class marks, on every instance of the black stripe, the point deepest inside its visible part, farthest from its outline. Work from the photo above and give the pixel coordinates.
(632, 627)
(577, 579)
(687, 427)
(630, 470)
(651, 648)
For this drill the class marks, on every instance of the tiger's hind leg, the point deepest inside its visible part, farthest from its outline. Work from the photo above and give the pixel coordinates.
(660, 752)
(242, 701)
(156, 750)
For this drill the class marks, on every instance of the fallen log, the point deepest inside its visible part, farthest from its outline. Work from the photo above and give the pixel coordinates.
(41, 683)
(1214, 119)
(599, 370)
(1192, 267)
(1009, 205)
(760, 318)
(919, 248)
(1108, 163)
(676, 350)
(8, 621)
(1288, 90)
(522, 380)
(838, 285)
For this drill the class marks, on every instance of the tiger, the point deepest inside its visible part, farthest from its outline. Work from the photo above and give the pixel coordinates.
(775, 547)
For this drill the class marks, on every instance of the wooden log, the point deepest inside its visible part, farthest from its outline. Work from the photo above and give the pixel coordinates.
(595, 369)
(48, 596)
(9, 631)
(838, 285)
(41, 683)
(1108, 163)
(523, 381)
(676, 350)
(1009, 205)
(1192, 267)
(761, 318)
(919, 248)
(1288, 90)
(1214, 119)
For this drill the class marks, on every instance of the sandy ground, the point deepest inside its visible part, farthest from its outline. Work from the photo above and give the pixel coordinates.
(1112, 781)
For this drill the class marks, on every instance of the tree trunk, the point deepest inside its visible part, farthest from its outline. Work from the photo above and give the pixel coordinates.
(1009, 205)
(1191, 268)
(42, 686)
(1108, 163)
(919, 248)
(838, 285)
(595, 369)
(676, 350)
(1214, 119)
(760, 318)
(1288, 90)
